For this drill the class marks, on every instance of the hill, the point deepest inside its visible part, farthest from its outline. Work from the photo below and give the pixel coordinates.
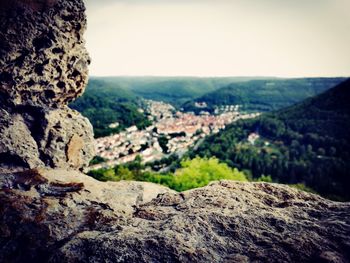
(104, 103)
(174, 90)
(264, 94)
(116, 99)
(109, 100)
(305, 143)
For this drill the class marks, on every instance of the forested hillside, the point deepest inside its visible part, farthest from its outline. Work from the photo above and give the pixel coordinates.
(116, 99)
(109, 100)
(104, 104)
(174, 90)
(305, 143)
(264, 95)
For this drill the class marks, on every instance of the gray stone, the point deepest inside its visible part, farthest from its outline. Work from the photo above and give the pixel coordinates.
(43, 66)
(68, 217)
(224, 222)
(18, 149)
(66, 139)
(43, 60)
(34, 137)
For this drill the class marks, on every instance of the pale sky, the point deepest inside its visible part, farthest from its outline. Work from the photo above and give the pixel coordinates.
(286, 38)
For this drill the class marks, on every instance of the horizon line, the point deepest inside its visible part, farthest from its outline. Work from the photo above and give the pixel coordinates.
(215, 76)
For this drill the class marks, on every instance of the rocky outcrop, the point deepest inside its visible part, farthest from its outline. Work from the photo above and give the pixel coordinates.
(41, 210)
(60, 216)
(39, 137)
(43, 66)
(43, 59)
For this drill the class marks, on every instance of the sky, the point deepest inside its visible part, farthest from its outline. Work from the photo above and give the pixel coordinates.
(284, 38)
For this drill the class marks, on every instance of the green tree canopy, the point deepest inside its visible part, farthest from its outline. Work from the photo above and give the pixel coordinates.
(199, 172)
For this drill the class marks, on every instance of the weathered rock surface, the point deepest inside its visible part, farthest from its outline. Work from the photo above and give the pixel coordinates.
(43, 60)
(37, 137)
(60, 216)
(66, 139)
(43, 66)
(42, 210)
(18, 149)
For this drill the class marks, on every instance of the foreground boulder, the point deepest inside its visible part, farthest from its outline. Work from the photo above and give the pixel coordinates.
(43, 59)
(43, 67)
(39, 137)
(60, 216)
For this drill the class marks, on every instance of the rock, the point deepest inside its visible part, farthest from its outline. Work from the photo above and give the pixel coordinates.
(36, 137)
(43, 64)
(43, 59)
(34, 5)
(18, 149)
(41, 210)
(66, 139)
(68, 217)
(224, 222)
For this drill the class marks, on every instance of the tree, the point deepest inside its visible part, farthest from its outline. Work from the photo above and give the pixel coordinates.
(199, 172)
(163, 143)
(123, 173)
(265, 178)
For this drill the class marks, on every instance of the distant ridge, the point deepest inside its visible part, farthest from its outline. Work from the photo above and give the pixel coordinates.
(332, 108)
(265, 94)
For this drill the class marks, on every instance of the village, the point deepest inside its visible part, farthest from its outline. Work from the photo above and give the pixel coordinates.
(172, 132)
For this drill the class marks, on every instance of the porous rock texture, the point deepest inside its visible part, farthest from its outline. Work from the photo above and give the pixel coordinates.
(39, 137)
(43, 66)
(43, 59)
(60, 216)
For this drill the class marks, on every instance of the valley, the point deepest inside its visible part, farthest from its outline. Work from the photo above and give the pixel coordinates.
(171, 132)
